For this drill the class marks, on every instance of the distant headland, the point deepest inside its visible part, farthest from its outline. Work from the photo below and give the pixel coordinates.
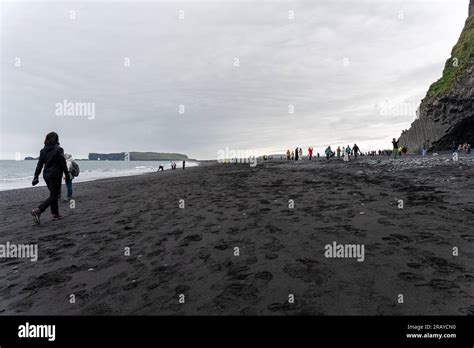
(137, 156)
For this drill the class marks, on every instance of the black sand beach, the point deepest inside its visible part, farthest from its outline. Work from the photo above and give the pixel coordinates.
(190, 251)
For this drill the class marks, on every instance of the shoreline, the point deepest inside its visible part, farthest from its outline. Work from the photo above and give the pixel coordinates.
(42, 184)
(443, 154)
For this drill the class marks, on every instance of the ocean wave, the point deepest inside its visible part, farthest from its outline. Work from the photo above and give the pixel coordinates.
(9, 182)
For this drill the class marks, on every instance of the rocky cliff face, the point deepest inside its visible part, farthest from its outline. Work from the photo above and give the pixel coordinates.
(446, 114)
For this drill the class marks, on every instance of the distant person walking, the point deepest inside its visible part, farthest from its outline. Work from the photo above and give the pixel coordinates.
(348, 151)
(53, 163)
(328, 152)
(395, 148)
(288, 155)
(338, 151)
(301, 154)
(296, 154)
(73, 170)
(184, 164)
(356, 149)
(423, 150)
(310, 153)
(345, 156)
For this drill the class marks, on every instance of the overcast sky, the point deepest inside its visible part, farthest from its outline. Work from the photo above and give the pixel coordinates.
(350, 71)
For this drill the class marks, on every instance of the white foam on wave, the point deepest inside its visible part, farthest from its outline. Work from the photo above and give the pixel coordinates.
(12, 183)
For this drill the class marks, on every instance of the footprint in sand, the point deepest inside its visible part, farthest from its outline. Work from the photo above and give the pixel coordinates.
(415, 265)
(221, 245)
(468, 237)
(238, 272)
(440, 284)
(182, 289)
(191, 238)
(265, 275)
(410, 277)
(204, 255)
(280, 307)
(397, 237)
(275, 245)
(97, 309)
(235, 295)
(45, 280)
(467, 310)
(271, 256)
(310, 271)
(443, 265)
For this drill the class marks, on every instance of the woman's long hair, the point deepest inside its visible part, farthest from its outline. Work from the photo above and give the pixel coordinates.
(52, 138)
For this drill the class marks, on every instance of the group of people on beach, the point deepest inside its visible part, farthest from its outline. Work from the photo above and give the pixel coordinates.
(346, 152)
(466, 148)
(297, 154)
(56, 166)
(403, 150)
(173, 165)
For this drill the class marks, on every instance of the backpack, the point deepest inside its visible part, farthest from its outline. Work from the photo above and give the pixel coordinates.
(74, 169)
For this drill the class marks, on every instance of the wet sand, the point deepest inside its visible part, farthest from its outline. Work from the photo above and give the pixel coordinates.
(191, 251)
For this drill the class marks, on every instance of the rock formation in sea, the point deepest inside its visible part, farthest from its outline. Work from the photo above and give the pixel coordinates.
(446, 114)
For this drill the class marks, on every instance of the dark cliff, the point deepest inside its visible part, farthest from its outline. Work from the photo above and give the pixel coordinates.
(446, 113)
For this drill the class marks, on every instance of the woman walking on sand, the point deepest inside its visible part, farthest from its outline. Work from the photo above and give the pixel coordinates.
(52, 159)
(301, 153)
(288, 155)
(356, 150)
(296, 154)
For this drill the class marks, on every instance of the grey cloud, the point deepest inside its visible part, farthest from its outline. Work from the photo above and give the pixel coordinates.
(190, 62)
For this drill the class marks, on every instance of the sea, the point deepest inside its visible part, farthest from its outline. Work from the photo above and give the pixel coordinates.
(19, 174)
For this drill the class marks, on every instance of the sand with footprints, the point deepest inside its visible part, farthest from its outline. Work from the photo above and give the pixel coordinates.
(232, 239)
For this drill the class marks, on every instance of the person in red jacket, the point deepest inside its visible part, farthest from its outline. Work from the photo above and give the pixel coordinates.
(53, 164)
(310, 153)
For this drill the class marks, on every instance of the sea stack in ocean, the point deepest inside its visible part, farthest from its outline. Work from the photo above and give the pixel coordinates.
(446, 114)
